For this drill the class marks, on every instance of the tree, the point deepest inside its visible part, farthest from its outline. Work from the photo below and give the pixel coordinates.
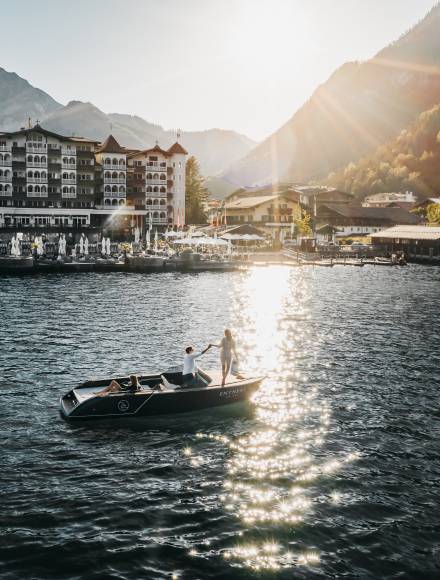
(303, 224)
(196, 193)
(433, 214)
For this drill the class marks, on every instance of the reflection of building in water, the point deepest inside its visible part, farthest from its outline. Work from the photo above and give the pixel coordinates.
(49, 181)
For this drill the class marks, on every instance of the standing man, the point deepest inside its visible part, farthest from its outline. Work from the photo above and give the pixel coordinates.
(189, 373)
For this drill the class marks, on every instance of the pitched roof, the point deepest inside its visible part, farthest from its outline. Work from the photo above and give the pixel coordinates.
(244, 229)
(392, 214)
(428, 201)
(155, 149)
(110, 145)
(40, 129)
(177, 148)
(410, 233)
(248, 202)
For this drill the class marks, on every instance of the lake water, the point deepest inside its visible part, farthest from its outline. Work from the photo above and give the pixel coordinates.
(334, 472)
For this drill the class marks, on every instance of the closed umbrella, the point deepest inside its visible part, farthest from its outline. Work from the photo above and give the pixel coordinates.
(103, 246)
(86, 246)
(108, 247)
(81, 245)
(40, 248)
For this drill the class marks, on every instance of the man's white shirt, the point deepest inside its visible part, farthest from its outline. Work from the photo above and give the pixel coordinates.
(189, 363)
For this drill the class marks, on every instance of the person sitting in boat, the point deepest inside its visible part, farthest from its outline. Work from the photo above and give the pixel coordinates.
(189, 373)
(115, 387)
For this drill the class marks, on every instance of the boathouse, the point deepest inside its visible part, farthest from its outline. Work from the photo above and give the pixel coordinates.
(420, 243)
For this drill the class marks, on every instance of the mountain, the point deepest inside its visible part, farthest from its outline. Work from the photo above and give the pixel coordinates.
(20, 100)
(359, 107)
(215, 149)
(408, 163)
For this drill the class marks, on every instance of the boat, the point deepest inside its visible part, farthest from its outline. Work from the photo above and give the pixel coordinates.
(161, 394)
(16, 264)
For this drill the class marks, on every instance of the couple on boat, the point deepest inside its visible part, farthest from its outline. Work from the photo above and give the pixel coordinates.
(228, 359)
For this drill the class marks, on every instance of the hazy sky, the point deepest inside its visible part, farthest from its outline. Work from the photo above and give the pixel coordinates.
(235, 64)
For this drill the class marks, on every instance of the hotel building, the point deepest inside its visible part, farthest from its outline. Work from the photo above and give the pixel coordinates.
(49, 181)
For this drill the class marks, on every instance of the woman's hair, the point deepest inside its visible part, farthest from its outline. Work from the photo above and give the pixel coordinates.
(188, 349)
(133, 379)
(228, 334)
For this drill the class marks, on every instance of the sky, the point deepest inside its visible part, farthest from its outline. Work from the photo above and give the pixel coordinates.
(245, 65)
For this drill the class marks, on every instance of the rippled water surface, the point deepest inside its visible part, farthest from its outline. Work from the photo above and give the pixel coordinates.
(334, 471)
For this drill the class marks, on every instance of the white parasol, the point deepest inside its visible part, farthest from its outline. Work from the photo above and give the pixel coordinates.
(86, 246)
(108, 252)
(103, 246)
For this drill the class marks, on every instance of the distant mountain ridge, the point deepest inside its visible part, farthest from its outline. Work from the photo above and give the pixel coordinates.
(19, 100)
(360, 106)
(215, 149)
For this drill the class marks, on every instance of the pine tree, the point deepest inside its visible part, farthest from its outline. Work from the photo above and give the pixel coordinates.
(196, 193)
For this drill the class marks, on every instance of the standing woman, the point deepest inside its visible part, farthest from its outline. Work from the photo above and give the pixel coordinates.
(227, 348)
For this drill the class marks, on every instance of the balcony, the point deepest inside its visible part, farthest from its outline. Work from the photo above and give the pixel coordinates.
(36, 164)
(68, 181)
(156, 182)
(115, 167)
(71, 166)
(6, 163)
(7, 193)
(65, 151)
(68, 195)
(53, 149)
(7, 178)
(37, 194)
(36, 148)
(117, 194)
(37, 179)
(154, 194)
(6, 148)
(119, 180)
(160, 166)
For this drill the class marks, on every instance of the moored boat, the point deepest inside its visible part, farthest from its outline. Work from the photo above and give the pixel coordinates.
(16, 264)
(160, 394)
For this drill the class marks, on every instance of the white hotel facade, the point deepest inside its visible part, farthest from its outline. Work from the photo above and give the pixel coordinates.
(52, 181)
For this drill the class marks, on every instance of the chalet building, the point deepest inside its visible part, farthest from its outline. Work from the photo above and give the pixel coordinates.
(309, 197)
(268, 212)
(49, 180)
(358, 220)
(405, 200)
(417, 242)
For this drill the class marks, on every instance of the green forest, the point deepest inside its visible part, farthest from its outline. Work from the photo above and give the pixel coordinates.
(411, 162)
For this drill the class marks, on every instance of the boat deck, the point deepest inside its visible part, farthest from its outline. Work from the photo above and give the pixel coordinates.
(87, 392)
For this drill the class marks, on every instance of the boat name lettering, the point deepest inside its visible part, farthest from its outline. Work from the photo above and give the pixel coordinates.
(231, 393)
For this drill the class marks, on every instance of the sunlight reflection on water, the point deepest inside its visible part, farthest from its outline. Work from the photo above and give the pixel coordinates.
(271, 470)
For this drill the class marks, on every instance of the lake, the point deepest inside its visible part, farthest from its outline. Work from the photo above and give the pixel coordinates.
(332, 472)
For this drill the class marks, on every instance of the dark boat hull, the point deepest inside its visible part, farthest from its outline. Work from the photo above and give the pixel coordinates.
(148, 404)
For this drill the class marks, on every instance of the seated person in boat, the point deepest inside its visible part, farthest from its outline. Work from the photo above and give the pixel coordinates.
(189, 373)
(115, 387)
